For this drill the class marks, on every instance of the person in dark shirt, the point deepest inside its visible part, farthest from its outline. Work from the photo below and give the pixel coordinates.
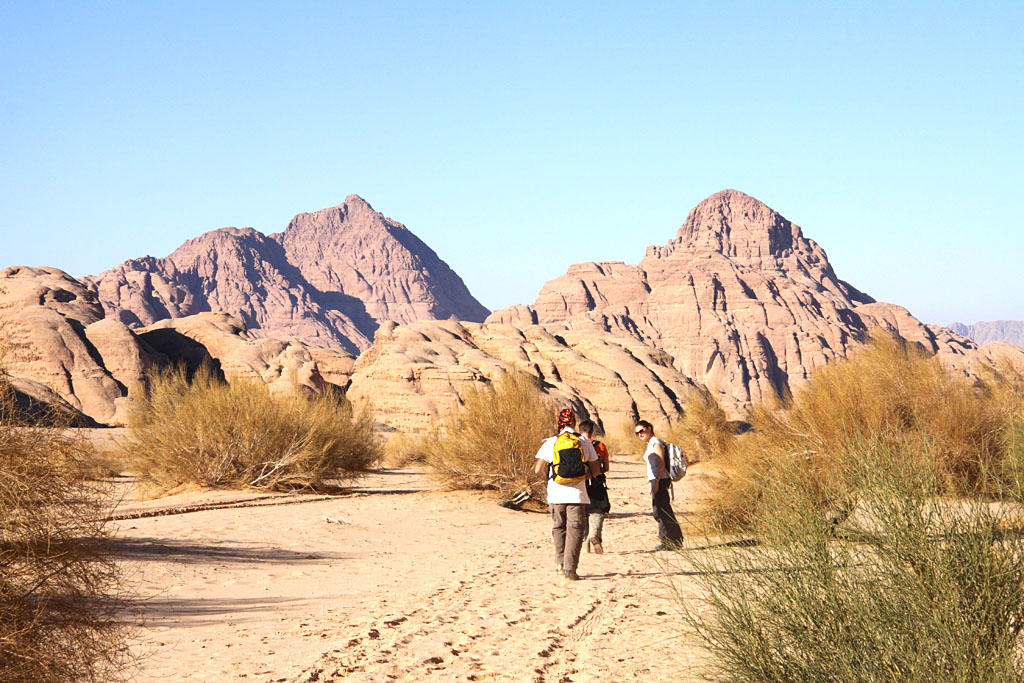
(597, 491)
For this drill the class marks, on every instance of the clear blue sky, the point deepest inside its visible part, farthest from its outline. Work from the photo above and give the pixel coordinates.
(516, 139)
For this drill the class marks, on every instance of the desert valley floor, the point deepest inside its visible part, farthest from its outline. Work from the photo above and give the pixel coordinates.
(398, 581)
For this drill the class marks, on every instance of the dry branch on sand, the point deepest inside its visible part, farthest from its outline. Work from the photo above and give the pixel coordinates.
(60, 589)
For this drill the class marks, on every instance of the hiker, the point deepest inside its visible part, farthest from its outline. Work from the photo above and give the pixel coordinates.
(669, 533)
(597, 491)
(567, 460)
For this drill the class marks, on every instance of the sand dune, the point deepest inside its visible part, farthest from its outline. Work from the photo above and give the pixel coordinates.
(398, 582)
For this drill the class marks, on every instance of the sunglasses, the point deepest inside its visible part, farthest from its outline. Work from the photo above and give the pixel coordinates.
(640, 431)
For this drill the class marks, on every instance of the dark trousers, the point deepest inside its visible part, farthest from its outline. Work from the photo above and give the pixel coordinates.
(569, 528)
(668, 528)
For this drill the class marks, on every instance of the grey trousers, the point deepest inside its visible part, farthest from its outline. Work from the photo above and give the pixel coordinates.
(595, 523)
(569, 527)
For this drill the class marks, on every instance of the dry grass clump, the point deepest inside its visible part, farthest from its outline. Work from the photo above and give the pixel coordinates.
(60, 589)
(202, 431)
(912, 587)
(402, 450)
(491, 441)
(886, 397)
(621, 440)
(704, 430)
(880, 554)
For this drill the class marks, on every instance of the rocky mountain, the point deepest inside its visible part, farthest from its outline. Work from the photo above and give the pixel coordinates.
(739, 301)
(328, 280)
(58, 349)
(1006, 331)
(740, 298)
(53, 334)
(415, 373)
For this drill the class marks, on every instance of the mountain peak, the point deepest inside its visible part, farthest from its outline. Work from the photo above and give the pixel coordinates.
(356, 199)
(737, 225)
(330, 278)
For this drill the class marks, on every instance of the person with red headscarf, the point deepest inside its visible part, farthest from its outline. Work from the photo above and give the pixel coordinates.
(568, 501)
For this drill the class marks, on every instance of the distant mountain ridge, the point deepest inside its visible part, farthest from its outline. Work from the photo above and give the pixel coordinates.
(739, 302)
(743, 302)
(1007, 331)
(328, 280)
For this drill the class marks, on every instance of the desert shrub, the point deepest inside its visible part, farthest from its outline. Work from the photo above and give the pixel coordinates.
(202, 431)
(621, 440)
(60, 589)
(703, 431)
(491, 441)
(912, 587)
(1012, 467)
(402, 450)
(882, 396)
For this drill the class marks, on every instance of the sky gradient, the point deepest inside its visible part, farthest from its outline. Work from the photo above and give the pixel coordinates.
(518, 139)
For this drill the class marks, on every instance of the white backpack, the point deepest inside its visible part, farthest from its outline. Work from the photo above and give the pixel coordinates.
(675, 461)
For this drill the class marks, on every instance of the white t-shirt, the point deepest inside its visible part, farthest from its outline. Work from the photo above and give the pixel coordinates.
(567, 494)
(651, 458)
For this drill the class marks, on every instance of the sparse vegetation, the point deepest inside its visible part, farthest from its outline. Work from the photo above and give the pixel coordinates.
(491, 441)
(889, 534)
(402, 450)
(60, 589)
(886, 397)
(912, 587)
(704, 431)
(621, 440)
(202, 431)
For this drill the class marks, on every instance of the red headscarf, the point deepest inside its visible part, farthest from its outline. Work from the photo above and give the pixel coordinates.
(566, 418)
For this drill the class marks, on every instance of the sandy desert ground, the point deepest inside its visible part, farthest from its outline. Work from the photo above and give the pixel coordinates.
(398, 581)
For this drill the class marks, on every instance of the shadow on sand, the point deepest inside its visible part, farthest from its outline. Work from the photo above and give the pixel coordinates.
(165, 550)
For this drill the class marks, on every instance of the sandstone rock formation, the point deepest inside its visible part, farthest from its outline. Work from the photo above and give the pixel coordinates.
(1006, 331)
(237, 271)
(54, 334)
(327, 281)
(743, 302)
(383, 270)
(58, 350)
(41, 406)
(222, 341)
(414, 373)
(61, 349)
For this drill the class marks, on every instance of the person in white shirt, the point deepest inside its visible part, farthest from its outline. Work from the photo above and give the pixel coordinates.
(669, 533)
(568, 502)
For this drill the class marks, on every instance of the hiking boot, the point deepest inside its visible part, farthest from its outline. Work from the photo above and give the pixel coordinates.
(598, 548)
(559, 569)
(668, 545)
(571, 575)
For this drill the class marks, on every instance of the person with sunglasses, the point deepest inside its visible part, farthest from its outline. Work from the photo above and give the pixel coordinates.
(669, 533)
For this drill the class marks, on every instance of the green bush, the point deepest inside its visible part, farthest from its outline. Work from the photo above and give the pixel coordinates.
(491, 441)
(60, 588)
(203, 431)
(911, 587)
